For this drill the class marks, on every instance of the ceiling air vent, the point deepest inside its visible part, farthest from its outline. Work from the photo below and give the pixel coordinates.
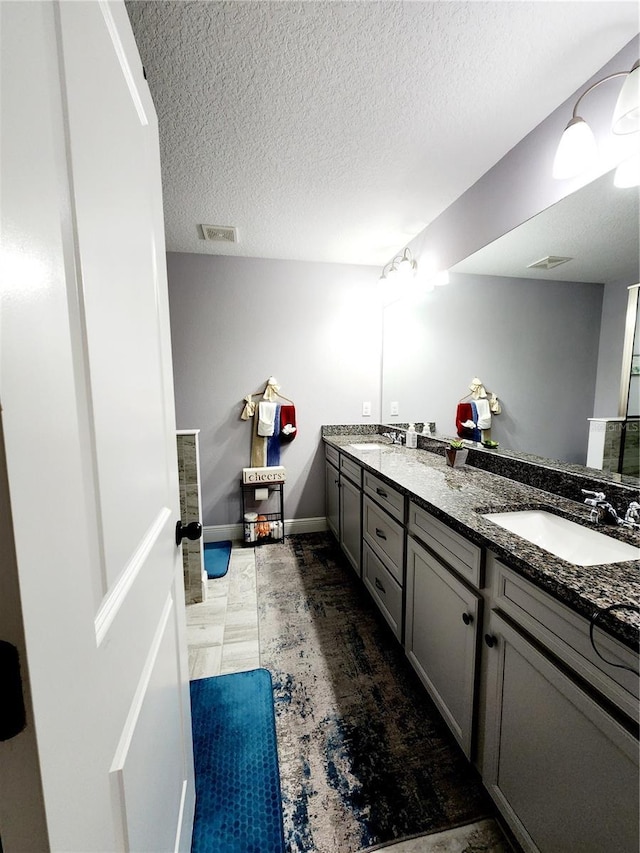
(220, 233)
(548, 263)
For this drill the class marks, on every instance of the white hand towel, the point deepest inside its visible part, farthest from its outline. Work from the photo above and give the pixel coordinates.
(484, 413)
(266, 418)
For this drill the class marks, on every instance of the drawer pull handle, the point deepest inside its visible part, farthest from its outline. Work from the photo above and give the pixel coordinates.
(380, 587)
(467, 618)
(490, 640)
(380, 533)
(382, 493)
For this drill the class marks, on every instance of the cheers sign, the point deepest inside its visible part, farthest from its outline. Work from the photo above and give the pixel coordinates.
(274, 474)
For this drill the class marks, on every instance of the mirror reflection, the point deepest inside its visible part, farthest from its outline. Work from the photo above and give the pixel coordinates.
(548, 339)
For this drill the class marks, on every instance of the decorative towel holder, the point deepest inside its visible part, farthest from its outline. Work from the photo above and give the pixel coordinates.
(274, 424)
(469, 428)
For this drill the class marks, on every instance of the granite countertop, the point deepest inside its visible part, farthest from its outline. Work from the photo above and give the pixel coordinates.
(459, 497)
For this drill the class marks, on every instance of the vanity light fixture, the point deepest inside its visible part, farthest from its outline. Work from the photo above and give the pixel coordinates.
(577, 148)
(402, 266)
(403, 269)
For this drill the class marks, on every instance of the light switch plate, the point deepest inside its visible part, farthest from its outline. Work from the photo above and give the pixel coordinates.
(395, 409)
(366, 408)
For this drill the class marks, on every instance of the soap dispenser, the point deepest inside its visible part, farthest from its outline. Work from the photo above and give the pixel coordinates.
(412, 436)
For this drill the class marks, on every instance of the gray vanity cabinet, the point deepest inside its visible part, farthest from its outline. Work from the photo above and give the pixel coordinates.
(560, 756)
(383, 548)
(562, 770)
(332, 490)
(343, 503)
(351, 511)
(442, 620)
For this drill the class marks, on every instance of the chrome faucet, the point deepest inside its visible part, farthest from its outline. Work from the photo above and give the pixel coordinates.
(632, 515)
(601, 509)
(396, 437)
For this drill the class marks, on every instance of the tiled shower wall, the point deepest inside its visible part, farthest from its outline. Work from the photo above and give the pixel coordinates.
(191, 510)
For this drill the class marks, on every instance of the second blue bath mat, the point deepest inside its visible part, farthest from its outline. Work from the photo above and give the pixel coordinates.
(238, 803)
(216, 558)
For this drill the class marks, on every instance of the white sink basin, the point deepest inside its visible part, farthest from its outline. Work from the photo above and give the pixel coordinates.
(368, 445)
(572, 542)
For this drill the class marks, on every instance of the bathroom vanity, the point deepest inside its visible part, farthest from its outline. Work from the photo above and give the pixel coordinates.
(498, 631)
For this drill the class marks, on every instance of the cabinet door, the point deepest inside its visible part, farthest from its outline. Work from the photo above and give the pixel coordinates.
(561, 769)
(332, 492)
(440, 639)
(350, 522)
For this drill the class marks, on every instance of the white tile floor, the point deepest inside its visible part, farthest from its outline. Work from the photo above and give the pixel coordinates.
(222, 632)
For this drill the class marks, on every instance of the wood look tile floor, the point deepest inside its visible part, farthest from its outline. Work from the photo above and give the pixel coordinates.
(222, 632)
(222, 635)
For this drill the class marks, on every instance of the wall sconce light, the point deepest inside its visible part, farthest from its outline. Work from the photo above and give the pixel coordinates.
(577, 149)
(400, 272)
(402, 266)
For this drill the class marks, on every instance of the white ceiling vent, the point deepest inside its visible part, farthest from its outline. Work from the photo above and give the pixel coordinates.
(220, 233)
(548, 263)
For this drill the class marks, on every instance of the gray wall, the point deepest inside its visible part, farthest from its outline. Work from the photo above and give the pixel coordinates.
(534, 343)
(237, 321)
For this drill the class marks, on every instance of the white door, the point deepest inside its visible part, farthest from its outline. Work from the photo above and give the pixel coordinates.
(89, 433)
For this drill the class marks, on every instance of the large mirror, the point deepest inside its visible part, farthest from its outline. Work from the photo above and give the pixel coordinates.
(548, 340)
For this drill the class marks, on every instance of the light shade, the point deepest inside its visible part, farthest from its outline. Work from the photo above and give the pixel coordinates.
(626, 115)
(405, 268)
(401, 267)
(628, 173)
(577, 150)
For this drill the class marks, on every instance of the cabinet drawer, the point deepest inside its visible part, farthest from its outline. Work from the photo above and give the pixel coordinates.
(352, 470)
(566, 634)
(332, 455)
(386, 592)
(386, 496)
(455, 550)
(385, 536)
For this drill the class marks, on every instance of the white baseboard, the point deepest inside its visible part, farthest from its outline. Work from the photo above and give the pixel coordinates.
(306, 525)
(235, 532)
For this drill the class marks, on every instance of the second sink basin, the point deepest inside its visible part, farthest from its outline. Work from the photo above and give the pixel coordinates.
(572, 542)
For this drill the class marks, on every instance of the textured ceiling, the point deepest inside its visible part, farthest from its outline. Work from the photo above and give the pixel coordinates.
(336, 131)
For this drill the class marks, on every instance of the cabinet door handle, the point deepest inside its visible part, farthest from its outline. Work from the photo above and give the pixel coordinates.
(382, 493)
(490, 640)
(380, 533)
(467, 618)
(380, 587)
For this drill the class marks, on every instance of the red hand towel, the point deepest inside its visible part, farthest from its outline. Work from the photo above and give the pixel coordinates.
(464, 413)
(288, 428)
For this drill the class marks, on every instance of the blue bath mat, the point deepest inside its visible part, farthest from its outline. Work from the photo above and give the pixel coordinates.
(238, 804)
(216, 558)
